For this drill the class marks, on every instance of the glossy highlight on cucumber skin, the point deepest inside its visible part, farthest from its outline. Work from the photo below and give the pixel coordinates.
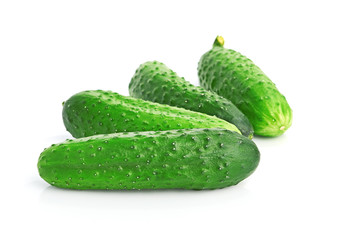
(235, 77)
(175, 159)
(154, 81)
(90, 113)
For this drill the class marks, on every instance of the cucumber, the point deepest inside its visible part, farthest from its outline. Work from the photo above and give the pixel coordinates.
(184, 158)
(235, 77)
(100, 112)
(155, 82)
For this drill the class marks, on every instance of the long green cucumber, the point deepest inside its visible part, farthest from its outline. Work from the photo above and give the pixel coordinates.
(237, 78)
(187, 159)
(154, 81)
(100, 112)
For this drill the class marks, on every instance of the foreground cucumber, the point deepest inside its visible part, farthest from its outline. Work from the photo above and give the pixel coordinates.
(187, 159)
(155, 82)
(237, 78)
(100, 112)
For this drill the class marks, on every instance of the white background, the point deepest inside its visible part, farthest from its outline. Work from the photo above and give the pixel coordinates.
(50, 50)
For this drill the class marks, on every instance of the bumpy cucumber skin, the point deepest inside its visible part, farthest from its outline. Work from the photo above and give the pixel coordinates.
(179, 159)
(235, 77)
(154, 81)
(100, 112)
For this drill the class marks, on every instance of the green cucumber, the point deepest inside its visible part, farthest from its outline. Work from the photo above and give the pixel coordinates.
(184, 158)
(235, 77)
(154, 81)
(100, 112)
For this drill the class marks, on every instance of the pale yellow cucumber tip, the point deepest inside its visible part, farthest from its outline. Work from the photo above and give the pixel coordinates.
(282, 128)
(221, 40)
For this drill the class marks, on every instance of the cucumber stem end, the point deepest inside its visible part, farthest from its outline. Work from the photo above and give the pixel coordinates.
(219, 42)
